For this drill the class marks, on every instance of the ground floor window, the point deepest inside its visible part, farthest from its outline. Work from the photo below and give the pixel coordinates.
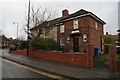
(62, 42)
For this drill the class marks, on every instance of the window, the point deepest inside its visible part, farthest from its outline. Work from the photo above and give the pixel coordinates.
(84, 37)
(68, 39)
(62, 29)
(62, 41)
(96, 25)
(75, 24)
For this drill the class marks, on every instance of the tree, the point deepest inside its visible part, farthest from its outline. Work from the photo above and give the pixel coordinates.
(47, 44)
(41, 16)
(108, 40)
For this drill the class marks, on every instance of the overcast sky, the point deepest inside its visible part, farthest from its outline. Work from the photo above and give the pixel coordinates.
(16, 10)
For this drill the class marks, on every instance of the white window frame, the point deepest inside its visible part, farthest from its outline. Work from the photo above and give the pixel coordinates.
(96, 25)
(84, 37)
(75, 24)
(62, 43)
(62, 28)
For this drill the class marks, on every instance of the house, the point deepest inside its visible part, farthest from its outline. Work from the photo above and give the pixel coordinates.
(5, 42)
(76, 31)
(113, 37)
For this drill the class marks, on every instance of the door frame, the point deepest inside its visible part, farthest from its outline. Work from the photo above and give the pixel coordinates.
(76, 47)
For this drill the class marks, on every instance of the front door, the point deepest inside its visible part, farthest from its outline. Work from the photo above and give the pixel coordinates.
(76, 44)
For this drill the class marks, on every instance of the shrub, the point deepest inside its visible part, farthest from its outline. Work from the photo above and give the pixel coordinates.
(23, 44)
(104, 59)
(47, 44)
(106, 48)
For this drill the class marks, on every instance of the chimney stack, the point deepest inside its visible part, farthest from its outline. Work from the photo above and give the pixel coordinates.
(106, 33)
(65, 13)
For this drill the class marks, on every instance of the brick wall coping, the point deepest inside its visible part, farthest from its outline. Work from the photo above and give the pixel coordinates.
(74, 53)
(61, 52)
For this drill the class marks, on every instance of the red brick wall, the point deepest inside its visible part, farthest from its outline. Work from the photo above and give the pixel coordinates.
(86, 59)
(96, 34)
(22, 52)
(118, 65)
(86, 26)
(76, 59)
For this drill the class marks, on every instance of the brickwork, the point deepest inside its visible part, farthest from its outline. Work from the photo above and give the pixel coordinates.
(85, 59)
(22, 52)
(118, 65)
(112, 53)
(86, 26)
(76, 59)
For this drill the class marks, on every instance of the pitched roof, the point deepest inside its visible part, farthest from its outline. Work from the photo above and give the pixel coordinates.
(79, 13)
(82, 13)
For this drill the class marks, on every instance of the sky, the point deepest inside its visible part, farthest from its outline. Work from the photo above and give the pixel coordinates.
(16, 11)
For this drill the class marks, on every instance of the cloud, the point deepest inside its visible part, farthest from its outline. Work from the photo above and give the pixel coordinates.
(16, 11)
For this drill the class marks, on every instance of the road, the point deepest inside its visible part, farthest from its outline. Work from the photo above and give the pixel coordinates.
(51, 69)
(14, 70)
(10, 70)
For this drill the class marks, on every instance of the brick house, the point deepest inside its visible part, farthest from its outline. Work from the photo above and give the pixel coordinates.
(113, 37)
(76, 31)
(5, 42)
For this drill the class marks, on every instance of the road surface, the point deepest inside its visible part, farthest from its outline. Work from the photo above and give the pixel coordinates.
(14, 70)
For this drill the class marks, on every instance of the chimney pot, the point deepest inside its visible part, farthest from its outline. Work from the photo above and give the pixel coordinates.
(106, 33)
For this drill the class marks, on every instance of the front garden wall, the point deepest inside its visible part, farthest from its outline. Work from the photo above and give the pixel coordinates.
(76, 59)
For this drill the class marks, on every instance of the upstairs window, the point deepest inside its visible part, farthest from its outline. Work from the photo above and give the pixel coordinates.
(62, 29)
(84, 37)
(96, 25)
(75, 23)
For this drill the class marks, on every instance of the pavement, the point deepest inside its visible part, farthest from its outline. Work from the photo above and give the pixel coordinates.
(61, 68)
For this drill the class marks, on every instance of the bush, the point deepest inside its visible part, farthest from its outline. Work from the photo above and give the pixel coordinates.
(104, 59)
(106, 48)
(118, 56)
(23, 44)
(47, 44)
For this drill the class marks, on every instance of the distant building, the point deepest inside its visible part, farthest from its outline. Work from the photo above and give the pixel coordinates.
(74, 32)
(113, 37)
(5, 42)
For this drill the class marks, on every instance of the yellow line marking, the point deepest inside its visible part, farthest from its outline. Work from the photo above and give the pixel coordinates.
(37, 71)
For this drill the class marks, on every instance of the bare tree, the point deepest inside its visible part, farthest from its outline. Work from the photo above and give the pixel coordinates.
(40, 21)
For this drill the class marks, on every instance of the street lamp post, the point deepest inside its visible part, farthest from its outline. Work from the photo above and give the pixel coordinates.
(17, 29)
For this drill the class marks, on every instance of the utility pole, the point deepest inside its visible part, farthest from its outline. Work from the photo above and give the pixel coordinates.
(28, 29)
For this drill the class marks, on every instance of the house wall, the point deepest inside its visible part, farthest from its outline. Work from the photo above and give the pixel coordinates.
(51, 34)
(86, 26)
(96, 34)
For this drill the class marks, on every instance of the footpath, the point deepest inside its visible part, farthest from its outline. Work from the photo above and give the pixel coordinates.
(61, 68)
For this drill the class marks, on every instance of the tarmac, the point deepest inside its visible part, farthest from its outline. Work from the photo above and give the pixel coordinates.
(61, 68)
